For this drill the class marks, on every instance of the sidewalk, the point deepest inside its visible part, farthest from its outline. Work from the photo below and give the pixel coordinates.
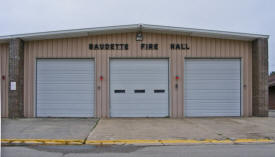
(187, 128)
(160, 131)
(47, 128)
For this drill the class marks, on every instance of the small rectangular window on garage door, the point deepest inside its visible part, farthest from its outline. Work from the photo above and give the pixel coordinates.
(159, 91)
(139, 90)
(119, 90)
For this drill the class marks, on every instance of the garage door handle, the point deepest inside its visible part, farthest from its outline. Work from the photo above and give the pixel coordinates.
(120, 91)
(159, 91)
(139, 90)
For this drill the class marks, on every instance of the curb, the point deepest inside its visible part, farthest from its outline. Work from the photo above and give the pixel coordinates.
(130, 141)
(176, 142)
(41, 141)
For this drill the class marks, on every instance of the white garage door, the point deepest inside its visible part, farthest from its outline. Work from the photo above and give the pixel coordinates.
(65, 88)
(212, 87)
(139, 87)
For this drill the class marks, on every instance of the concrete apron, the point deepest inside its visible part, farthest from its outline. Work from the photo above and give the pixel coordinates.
(46, 130)
(166, 131)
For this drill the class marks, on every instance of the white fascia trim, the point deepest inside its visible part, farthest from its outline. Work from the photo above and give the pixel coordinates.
(71, 33)
(197, 32)
(133, 27)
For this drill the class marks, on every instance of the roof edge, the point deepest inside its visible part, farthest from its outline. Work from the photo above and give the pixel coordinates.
(205, 31)
(133, 27)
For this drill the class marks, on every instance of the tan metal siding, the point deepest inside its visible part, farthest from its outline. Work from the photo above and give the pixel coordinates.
(200, 47)
(4, 52)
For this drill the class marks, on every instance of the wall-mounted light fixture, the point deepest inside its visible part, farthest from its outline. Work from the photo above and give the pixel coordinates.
(139, 36)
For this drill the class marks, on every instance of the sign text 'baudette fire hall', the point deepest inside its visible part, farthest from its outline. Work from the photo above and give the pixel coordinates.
(143, 46)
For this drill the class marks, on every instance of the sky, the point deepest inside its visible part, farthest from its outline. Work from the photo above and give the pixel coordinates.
(249, 16)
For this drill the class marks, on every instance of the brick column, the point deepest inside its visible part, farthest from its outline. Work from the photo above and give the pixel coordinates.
(260, 77)
(16, 74)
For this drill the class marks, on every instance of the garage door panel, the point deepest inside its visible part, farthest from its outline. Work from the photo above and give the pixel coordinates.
(138, 101)
(65, 92)
(210, 92)
(60, 72)
(131, 88)
(122, 78)
(209, 64)
(212, 87)
(63, 97)
(212, 77)
(204, 74)
(212, 105)
(197, 102)
(143, 113)
(139, 74)
(142, 107)
(144, 83)
(204, 71)
(125, 112)
(132, 91)
(68, 71)
(204, 107)
(213, 95)
(135, 96)
(213, 70)
(213, 114)
(213, 81)
(58, 109)
(140, 78)
(65, 87)
(61, 114)
(55, 79)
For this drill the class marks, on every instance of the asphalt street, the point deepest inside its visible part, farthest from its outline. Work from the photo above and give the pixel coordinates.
(225, 150)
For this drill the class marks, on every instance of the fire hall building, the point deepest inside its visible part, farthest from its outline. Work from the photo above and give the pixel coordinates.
(135, 70)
